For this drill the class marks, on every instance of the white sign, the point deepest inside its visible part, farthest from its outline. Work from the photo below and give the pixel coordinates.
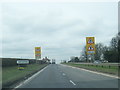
(22, 61)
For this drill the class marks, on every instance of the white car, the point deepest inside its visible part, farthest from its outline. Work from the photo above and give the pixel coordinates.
(97, 62)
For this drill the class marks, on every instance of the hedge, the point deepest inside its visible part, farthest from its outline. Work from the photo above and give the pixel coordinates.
(6, 62)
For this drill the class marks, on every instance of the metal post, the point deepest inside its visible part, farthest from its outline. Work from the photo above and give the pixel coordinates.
(86, 58)
(93, 58)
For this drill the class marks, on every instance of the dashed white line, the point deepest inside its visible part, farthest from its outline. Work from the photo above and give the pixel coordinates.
(72, 82)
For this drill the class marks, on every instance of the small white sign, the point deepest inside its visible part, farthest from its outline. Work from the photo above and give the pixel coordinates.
(22, 61)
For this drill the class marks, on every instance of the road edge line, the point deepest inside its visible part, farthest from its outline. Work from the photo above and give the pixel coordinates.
(30, 78)
(100, 73)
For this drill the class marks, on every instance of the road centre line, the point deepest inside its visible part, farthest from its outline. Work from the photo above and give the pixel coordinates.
(93, 71)
(30, 78)
(72, 82)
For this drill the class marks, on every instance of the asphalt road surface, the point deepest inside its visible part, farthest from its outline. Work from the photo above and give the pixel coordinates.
(61, 76)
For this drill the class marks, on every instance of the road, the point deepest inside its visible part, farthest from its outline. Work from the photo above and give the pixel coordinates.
(61, 76)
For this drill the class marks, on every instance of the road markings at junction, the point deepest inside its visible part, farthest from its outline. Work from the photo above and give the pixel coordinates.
(72, 82)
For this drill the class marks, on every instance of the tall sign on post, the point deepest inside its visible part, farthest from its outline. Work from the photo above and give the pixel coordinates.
(90, 45)
(37, 53)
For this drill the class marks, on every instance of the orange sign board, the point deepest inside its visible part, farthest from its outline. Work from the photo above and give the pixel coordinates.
(90, 45)
(37, 52)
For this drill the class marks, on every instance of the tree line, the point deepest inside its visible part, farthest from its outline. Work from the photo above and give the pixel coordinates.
(109, 53)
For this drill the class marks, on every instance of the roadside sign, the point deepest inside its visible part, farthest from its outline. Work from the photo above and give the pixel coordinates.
(22, 61)
(21, 68)
(90, 45)
(22, 64)
(37, 53)
(90, 40)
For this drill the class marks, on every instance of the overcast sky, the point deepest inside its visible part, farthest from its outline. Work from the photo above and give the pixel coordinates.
(60, 29)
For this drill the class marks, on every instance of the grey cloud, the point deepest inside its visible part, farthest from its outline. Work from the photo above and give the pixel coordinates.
(59, 29)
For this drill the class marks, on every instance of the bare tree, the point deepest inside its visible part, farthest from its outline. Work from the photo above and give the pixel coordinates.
(99, 50)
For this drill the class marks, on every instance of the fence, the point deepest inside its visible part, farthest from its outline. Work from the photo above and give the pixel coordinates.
(103, 65)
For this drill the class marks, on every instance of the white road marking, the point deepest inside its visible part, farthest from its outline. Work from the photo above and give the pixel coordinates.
(93, 72)
(72, 82)
(30, 78)
(99, 73)
(63, 74)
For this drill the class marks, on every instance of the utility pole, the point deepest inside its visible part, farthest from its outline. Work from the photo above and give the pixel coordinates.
(86, 56)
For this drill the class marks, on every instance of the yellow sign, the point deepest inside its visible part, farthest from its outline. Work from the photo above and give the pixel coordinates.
(20, 67)
(90, 45)
(37, 52)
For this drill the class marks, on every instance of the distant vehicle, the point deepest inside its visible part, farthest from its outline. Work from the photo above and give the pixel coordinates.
(105, 61)
(97, 62)
(53, 61)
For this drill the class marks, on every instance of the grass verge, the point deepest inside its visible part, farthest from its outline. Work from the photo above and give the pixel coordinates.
(100, 68)
(11, 75)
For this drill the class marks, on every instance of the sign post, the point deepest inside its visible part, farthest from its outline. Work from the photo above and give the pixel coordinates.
(37, 53)
(90, 46)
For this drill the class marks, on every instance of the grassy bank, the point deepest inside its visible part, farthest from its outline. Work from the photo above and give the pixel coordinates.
(0, 77)
(100, 68)
(12, 74)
